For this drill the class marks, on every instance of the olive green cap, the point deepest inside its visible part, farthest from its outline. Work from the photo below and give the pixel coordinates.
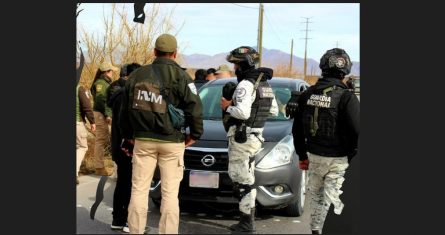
(166, 43)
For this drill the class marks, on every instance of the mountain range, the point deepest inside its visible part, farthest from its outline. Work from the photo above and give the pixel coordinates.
(271, 58)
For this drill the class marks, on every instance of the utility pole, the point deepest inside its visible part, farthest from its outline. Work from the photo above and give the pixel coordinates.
(291, 55)
(260, 33)
(305, 44)
(336, 44)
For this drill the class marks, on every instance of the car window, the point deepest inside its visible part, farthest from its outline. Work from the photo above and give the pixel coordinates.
(282, 95)
(211, 98)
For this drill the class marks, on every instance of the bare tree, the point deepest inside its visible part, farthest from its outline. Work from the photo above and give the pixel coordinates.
(125, 41)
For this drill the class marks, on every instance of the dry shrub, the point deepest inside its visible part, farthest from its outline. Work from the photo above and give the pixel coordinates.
(283, 71)
(124, 41)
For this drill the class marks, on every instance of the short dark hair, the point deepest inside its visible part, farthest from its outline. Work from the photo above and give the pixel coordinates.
(132, 67)
(200, 75)
(211, 70)
(159, 53)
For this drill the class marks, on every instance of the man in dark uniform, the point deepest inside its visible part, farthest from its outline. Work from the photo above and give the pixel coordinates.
(146, 118)
(326, 126)
(122, 191)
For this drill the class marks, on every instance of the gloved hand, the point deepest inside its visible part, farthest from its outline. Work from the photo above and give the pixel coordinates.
(292, 104)
(304, 165)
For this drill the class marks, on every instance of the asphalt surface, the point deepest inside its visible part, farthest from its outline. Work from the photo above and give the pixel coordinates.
(197, 218)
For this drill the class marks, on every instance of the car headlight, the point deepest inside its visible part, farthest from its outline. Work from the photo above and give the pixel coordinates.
(280, 155)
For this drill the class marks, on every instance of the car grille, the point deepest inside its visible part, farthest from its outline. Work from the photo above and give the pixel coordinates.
(192, 160)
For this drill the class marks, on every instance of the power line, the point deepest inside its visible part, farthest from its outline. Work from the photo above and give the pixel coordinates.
(276, 17)
(276, 34)
(245, 6)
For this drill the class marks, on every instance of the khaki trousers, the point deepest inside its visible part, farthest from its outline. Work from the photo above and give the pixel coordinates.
(170, 158)
(102, 139)
(81, 144)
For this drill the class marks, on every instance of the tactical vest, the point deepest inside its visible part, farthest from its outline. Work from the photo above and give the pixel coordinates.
(78, 114)
(260, 110)
(320, 117)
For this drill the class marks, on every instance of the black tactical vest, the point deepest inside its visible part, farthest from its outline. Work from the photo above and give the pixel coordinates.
(259, 112)
(320, 117)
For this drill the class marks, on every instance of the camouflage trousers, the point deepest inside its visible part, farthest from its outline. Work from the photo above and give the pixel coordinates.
(326, 176)
(242, 168)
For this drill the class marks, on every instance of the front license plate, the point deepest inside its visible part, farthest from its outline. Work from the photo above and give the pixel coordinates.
(204, 179)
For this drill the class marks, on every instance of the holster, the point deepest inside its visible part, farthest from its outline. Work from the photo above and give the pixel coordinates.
(241, 133)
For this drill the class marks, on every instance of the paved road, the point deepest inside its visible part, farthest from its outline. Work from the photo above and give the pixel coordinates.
(195, 218)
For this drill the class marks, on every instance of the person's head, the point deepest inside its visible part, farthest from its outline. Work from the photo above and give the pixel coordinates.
(200, 75)
(223, 71)
(210, 74)
(335, 63)
(105, 68)
(243, 58)
(166, 46)
(129, 68)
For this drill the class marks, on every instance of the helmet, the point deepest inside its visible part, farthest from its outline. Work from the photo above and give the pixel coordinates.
(244, 54)
(336, 59)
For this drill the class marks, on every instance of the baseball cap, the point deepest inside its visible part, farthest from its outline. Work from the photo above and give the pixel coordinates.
(105, 66)
(166, 43)
(223, 68)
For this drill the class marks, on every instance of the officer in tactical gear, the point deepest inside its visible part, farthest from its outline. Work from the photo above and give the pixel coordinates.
(326, 127)
(252, 102)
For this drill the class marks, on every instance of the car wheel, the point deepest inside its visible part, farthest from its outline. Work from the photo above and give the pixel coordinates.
(295, 209)
(157, 202)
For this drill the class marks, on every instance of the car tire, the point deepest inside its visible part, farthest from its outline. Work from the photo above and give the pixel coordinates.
(157, 202)
(295, 209)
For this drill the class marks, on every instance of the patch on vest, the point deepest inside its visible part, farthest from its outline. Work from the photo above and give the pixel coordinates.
(241, 92)
(98, 87)
(321, 101)
(266, 92)
(147, 97)
(193, 88)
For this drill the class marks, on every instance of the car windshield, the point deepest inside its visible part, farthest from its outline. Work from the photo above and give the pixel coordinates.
(211, 98)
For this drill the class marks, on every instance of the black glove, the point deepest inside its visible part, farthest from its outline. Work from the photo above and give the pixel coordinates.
(292, 104)
(228, 90)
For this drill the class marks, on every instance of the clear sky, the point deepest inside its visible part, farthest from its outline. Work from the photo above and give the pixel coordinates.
(211, 28)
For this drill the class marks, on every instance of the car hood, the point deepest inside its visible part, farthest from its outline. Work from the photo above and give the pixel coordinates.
(215, 139)
(215, 136)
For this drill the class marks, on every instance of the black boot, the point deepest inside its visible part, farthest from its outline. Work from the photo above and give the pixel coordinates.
(246, 223)
(316, 232)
